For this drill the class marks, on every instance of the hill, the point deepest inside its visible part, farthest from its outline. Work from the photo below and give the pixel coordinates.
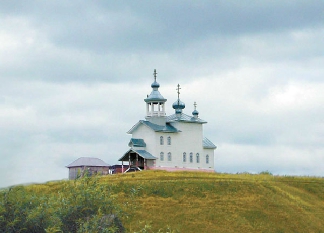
(194, 201)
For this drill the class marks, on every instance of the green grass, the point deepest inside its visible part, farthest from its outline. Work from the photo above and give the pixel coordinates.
(208, 202)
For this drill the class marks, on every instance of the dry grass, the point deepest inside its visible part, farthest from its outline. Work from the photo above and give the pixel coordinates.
(212, 202)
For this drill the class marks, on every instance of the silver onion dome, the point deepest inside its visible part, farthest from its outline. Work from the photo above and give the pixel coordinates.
(155, 84)
(178, 105)
(195, 112)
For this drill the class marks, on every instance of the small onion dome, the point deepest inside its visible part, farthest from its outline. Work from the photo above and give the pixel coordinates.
(195, 112)
(155, 84)
(178, 105)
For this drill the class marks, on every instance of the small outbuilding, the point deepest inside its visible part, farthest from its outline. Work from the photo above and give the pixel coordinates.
(91, 166)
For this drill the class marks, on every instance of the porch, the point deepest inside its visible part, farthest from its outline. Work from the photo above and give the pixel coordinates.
(137, 160)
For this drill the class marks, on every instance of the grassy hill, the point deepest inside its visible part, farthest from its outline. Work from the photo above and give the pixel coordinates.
(190, 201)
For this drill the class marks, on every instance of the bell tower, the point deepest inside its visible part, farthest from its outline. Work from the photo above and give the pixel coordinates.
(155, 104)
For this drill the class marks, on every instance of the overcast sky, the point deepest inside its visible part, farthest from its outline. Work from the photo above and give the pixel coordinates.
(74, 75)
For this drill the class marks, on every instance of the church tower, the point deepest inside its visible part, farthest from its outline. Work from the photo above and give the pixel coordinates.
(155, 104)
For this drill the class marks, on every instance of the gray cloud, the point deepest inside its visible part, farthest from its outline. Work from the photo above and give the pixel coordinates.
(161, 25)
(74, 76)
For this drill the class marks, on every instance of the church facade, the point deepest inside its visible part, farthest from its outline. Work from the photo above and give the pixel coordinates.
(174, 142)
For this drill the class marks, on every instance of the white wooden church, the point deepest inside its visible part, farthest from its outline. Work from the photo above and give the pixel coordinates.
(174, 142)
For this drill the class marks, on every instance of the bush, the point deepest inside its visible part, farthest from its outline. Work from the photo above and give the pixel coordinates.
(76, 207)
(265, 173)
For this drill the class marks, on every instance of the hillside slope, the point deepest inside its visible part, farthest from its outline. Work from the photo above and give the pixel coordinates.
(206, 202)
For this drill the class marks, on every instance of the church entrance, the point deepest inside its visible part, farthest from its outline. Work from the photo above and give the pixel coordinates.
(136, 160)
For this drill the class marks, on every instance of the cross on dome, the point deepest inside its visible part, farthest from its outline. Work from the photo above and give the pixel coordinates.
(195, 113)
(155, 84)
(178, 90)
(155, 73)
(178, 105)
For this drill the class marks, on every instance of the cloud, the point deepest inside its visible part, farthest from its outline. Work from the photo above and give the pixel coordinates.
(280, 160)
(74, 76)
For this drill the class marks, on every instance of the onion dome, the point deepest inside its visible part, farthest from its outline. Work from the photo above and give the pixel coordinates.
(195, 112)
(155, 84)
(178, 105)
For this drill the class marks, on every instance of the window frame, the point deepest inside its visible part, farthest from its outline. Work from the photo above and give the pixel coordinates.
(197, 158)
(161, 140)
(161, 156)
(184, 157)
(169, 157)
(191, 157)
(169, 140)
(207, 159)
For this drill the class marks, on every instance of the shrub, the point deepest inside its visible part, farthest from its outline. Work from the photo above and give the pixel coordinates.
(265, 173)
(75, 207)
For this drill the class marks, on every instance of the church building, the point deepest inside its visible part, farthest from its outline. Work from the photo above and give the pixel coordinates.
(174, 142)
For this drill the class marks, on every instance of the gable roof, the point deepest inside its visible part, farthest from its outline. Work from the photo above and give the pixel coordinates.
(167, 128)
(143, 153)
(137, 142)
(88, 162)
(185, 118)
(207, 144)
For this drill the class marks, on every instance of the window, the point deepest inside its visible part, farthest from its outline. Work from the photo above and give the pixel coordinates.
(191, 157)
(184, 158)
(169, 156)
(169, 140)
(207, 159)
(161, 140)
(162, 156)
(197, 157)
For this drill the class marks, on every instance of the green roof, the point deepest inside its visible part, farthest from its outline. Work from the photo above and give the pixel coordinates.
(142, 153)
(137, 142)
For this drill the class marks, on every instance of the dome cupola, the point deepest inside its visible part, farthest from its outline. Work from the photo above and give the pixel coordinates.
(155, 95)
(178, 105)
(155, 102)
(155, 84)
(195, 113)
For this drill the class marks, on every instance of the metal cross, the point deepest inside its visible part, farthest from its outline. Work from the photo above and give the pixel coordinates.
(155, 75)
(178, 89)
(195, 105)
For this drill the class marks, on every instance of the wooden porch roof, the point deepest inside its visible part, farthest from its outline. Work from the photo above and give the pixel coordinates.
(141, 153)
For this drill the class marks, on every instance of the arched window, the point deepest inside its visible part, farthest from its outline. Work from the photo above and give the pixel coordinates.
(162, 156)
(191, 157)
(184, 158)
(207, 159)
(169, 156)
(169, 140)
(161, 140)
(197, 157)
